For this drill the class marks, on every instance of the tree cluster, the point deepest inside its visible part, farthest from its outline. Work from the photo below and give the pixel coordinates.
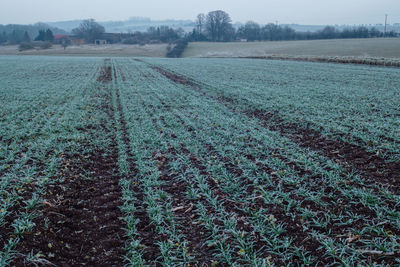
(17, 37)
(16, 34)
(45, 36)
(14, 37)
(216, 26)
(89, 30)
(162, 34)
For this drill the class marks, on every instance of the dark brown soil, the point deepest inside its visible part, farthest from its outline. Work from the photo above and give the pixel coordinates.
(80, 222)
(105, 74)
(173, 77)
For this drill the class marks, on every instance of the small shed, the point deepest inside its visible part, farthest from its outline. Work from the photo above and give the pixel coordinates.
(100, 42)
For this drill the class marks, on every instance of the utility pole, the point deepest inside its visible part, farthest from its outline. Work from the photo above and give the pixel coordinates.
(384, 32)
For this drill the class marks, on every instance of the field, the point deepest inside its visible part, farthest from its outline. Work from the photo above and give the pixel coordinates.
(115, 50)
(361, 48)
(198, 162)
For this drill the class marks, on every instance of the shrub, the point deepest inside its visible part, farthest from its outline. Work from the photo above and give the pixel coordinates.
(25, 46)
(177, 49)
(45, 45)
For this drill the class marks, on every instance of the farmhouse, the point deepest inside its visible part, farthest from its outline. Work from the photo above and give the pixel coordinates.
(59, 39)
(77, 41)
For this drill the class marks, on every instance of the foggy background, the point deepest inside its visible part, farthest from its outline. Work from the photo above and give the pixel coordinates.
(309, 12)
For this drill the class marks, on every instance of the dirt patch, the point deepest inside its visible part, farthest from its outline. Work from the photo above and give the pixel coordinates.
(80, 222)
(105, 75)
(174, 77)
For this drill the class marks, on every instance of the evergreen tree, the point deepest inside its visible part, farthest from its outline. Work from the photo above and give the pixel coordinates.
(3, 37)
(49, 37)
(26, 38)
(41, 36)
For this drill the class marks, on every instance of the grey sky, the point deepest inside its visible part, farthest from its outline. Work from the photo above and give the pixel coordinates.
(262, 11)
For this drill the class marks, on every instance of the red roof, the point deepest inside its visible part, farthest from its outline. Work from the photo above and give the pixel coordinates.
(60, 36)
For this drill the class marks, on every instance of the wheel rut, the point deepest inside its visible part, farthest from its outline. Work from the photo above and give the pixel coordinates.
(81, 222)
(146, 230)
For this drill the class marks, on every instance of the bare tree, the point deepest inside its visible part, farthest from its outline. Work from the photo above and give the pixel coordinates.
(218, 25)
(64, 43)
(251, 31)
(90, 30)
(200, 21)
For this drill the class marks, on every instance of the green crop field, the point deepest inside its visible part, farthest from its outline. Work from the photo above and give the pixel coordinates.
(198, 162)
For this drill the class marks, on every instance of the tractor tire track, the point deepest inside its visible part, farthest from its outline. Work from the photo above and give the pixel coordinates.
(146, 230)
(83, 223)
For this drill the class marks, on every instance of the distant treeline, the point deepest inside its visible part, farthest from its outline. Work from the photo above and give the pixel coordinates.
(251, 31)
(216, 26)
(16, 34)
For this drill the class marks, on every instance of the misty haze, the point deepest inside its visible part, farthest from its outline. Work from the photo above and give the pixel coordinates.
(199, 133)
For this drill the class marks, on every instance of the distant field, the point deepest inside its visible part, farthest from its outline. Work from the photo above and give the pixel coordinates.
(349, 49)
(387, 48)
(154, 50)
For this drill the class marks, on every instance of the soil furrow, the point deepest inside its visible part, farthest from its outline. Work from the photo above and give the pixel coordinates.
(353, 158)
(145, 228)
(194, 234)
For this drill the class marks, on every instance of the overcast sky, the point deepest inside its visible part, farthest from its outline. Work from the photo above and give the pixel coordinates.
(262, 11)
